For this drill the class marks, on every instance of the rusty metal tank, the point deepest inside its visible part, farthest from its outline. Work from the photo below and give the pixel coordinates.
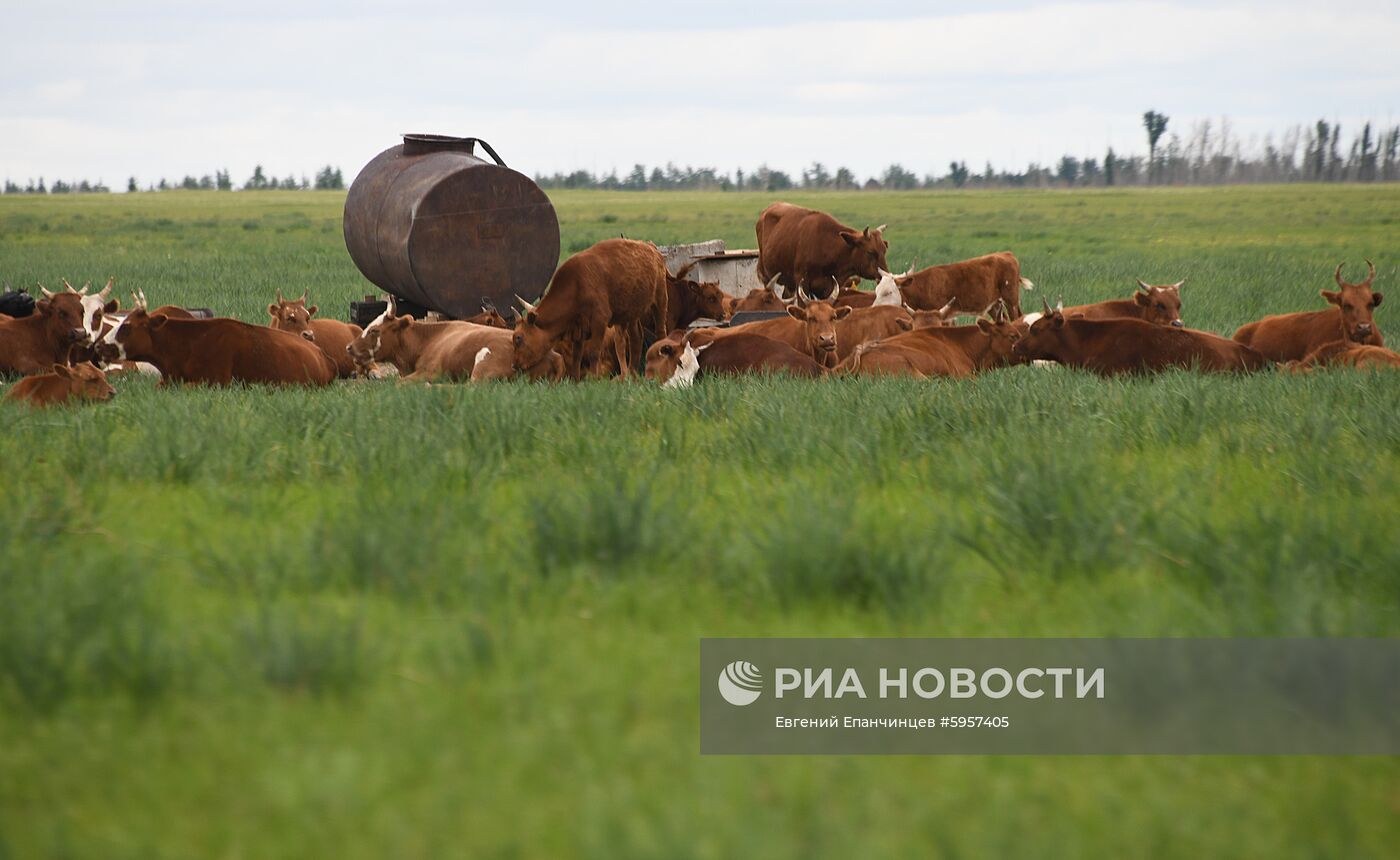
(432, 223)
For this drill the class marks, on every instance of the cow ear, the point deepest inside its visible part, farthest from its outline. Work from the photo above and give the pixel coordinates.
(43, 307)
(63, 371)
(272, 310)
(985, 325)
(158, 321)
(907, 325)
(668, 349)
(1057, 321)
(852, 239)
(843, 312)
(531, 318)
(797, 313)
(1142, 298)
(311, 311)
(1376, 299)
(1331, 296)
(111, 307)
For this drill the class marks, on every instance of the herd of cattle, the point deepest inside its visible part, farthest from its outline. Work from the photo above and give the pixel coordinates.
(614, 309)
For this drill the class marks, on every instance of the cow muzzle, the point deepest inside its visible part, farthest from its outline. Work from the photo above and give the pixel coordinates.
(1178, 324)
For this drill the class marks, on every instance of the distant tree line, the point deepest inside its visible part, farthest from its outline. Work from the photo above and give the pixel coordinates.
(327, 178)
(1211, 154)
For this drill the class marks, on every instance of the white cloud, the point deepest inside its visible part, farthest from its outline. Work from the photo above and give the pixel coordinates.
(168, 89)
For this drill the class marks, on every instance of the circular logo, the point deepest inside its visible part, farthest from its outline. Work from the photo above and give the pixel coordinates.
(740, 683)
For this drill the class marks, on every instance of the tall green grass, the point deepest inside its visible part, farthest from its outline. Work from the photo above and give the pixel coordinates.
(453, 620)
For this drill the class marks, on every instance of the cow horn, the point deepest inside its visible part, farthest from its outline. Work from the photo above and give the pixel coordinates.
(1338, 275)
(280, 300)
(1179, 284)
(1144, 286)
(107, 290)
(305, 294)
(487, 304)
(138, 299)
(1060, 306)
(1371, 274)
(881, 228)
(948, 307)
(68, 285)
(910, 270)
(523, 304)
(47, 294)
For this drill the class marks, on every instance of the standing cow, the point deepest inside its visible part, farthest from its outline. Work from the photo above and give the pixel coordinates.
(618, 282)
(810, 249)
(972, 285)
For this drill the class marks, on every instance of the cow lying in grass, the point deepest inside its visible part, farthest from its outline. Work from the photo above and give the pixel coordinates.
(216, 351)
(676, 362)
(956, 351)
(809, 329)
(973, 284)
(35, 343)
(862, 325)
(1290, 337)
(64, 383)
(1116, 346)
(1154, 304)
(1345, 353)
(331, 336)
(432, 351)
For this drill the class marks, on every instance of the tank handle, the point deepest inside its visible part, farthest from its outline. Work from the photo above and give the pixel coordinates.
(489, 150)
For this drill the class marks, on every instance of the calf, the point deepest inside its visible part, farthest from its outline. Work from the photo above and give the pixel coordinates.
(1289, 337)
(766, 298)
(615, 282)
(688, 301)
(1154, 304)
(35, 343)
(956, 351)
(1345, 353)
(944, 316)
(217, 351)
(64, 383)
(668, 362)
(809, 329)
(429, 351)
(1116, 346)
(972, 284)
(333, 337)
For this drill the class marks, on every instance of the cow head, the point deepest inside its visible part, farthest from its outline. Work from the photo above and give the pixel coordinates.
(531, 342)
(489, 316)
(381, 339)
(941, 318)
(133, 339)
(85, 382)
(63, 316)
(887, 290)
(708, 300)
(290, 315)
(1160, 304)
(1357, 303)
(663, 357)
(94, 308)
(1042, 339)
(819, 320)
(1004, 334)
(866, 252)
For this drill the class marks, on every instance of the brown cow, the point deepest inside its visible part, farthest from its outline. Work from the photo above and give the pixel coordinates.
(331, 336)
(873, 323)
(1289, 337)
(956, 351)
(944, 316)
(766, 298)
(78, 382)
(217, 351)
(489, 316)
(1116, 346)
(1346, 353)
(35, 343)
(809, 329)
(688, 301)
(1155, 304)
(810, 249)
(973, 284)
(675, 362)
(615, 282)
(429, 351)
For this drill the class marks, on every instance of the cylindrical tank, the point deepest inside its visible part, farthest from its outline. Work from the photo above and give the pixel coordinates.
(430, 222)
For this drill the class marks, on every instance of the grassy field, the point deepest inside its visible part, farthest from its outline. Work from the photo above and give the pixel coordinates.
(453, 621)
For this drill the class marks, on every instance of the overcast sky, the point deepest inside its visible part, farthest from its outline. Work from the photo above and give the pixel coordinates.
(112, 89)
